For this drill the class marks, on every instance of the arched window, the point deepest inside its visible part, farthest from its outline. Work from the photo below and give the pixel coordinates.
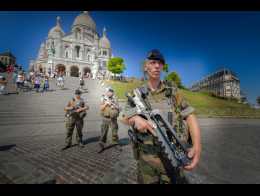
(77, 51)
(67, 54)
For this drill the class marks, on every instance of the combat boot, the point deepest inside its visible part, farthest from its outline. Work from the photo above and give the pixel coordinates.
(115, 142)
(81, 145)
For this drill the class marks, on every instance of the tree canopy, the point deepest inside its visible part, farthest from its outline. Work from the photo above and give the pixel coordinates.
(173, 76)
(116, 65)
(166, 68)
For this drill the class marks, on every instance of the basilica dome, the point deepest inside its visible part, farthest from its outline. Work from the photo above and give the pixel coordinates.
(104, 42)
(56, 32)
(84, 19)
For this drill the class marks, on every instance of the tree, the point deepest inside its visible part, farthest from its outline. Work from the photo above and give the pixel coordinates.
(166, 68)
(116, 65)
(258, 100)
(173, 76)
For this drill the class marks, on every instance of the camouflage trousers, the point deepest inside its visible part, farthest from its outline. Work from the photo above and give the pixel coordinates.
(106, 123)
(152, 168)
(71, 123)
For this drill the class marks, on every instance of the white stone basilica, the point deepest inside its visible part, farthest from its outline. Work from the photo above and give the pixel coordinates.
(79, 52)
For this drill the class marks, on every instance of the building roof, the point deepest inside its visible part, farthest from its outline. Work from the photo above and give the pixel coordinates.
(104, 42)
(85, 19)
(8, 53)
(57, 30)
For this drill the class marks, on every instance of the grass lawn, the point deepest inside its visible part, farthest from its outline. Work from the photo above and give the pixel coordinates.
(204, 104)
(207, 105)
(122, 87)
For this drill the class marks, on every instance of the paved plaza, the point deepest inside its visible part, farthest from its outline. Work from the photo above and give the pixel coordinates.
(32, 133)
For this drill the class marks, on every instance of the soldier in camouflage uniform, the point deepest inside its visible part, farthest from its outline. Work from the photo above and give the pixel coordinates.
(152, 167)
(75, 112)
(109, 111)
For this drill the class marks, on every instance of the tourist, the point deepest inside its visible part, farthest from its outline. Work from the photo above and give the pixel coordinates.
(60, 81)
(37, 83)
(81, 83)
(3, 84)
(46, 84)
(20, 81)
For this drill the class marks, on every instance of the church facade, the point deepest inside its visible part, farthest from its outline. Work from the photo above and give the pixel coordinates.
(76, 53)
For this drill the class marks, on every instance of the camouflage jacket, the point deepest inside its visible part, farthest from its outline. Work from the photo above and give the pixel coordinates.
(77, 103)
(111, 111)
(179, 107)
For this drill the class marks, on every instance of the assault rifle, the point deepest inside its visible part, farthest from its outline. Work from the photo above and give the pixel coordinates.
(171, 146)
(73, 111)
(106, 99)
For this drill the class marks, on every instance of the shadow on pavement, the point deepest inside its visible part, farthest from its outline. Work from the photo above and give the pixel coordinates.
(66, 148)
(91, 140)
(53, 181)
(12, 93)
(121, 142)
(64, 89)
(108, 147)
(7, 147)
(51, 90)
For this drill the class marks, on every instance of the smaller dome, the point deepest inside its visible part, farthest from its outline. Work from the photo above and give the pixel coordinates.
(104, 42)
(56, 31)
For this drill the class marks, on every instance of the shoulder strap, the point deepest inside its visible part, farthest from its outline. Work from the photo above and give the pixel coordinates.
(144, 90)
(171, 88)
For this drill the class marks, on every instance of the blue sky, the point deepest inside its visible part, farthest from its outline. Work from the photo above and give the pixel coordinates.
(194, 43)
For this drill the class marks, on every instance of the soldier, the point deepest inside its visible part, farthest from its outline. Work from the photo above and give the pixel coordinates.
(152, 167)
(75, 112)
(110, 111)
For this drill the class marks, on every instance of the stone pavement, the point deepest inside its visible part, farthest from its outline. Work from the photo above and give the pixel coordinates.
(32, 134)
